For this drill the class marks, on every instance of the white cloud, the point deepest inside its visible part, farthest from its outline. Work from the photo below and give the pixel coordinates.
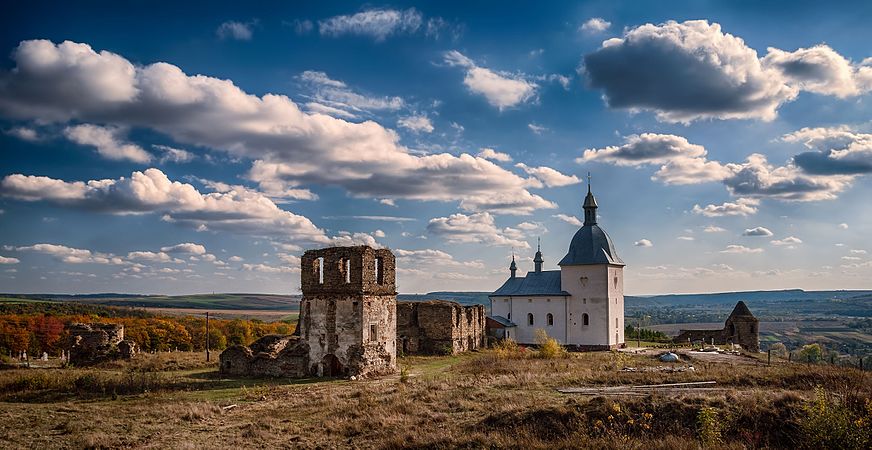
(236, 258)
(269, 269)
(858, 252)
(572, 220)
(416, 124)
(501, 89)
(788, 241)
(489, 153)
(595, 25)
(70, 81)
(378, 24)
(241, 31)
(336, 98)
(8, 260)
(757, 178)
(741, 207)
(24, 133)
(714, 229)
(72, 255)
(685, 238)
(187, 248)
(107, 141)
(378, 233)
(843, 226)
(643, 243)
(151, 191)
(835, 151)
(536, 129)
(475, 228)
(175, 155)
(549, 176)
(433, 260)
(741, 249)
(757, 231)
(822, 70)
(160, 257)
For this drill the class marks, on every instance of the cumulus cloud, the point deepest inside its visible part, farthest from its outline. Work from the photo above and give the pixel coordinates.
(433, 259)
(72, 255)
(159, 257)
(269, 269)
(24, 133)
(8, 260)
(241, 31)
(335, 98)
(822, 70)
(680, 161)
(151, 191)
(594, 25)
(686, 71)
(70, 81)
(550, 177)
(643, 243)
(185, 248)
(489, 153)
(378, 24)
(843, 226)
(175, 155)
(757, 178)
(757, 231)
(713, 229)
(108, 142)
(572, 220)
(788, 241)
(741, 207)
(501, 89)
(477, 228)
(835, 151)
(741, 249)
(417, 124)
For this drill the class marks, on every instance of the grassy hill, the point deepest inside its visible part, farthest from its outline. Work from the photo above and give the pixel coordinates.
(197, 301)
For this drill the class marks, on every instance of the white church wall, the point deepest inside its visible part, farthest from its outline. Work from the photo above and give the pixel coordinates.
(590, 297)
(616, 305)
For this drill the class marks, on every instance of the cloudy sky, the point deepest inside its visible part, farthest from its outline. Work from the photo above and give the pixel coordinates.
(175, 149)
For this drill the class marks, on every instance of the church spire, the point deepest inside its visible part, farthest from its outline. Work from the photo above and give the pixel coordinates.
(538, 259)
(589, 205)
(513, 267)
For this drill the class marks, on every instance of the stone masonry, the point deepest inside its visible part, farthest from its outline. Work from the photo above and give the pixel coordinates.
(94, 343)
(741, 328)
(439, 327)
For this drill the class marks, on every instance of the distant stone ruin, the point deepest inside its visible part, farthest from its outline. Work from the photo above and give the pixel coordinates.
(439, 327)
(741, 328)
(97, 342)
(350, 322)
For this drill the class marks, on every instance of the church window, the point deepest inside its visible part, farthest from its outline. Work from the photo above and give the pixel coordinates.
(509, 317)
(530, 319)
(585, 320)
(550, 320)
(616, 322)
(583, 281)
(529, 300)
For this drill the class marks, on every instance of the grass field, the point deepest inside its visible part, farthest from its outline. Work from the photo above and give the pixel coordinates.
(484, 399)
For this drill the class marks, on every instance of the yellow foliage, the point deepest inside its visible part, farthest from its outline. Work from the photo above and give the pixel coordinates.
(549, 348)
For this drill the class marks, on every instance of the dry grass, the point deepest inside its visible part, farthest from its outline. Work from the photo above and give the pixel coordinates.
(489, 399)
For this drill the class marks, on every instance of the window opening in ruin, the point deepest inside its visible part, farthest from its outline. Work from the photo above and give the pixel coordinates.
(584, 301)
(373, 332)
(379, 270)
(319, 266)
(530, 319)
(346, 269)
(584, 319)
(550, 320)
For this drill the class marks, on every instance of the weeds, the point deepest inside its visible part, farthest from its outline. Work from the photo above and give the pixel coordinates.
(549, 348)
(830, 422)
(709, 429)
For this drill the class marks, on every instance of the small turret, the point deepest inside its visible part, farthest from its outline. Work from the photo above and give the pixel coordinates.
(590, 206)
(513, 267)
(537, 261)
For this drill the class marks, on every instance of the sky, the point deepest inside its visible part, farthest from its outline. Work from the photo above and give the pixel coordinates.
(165, 148)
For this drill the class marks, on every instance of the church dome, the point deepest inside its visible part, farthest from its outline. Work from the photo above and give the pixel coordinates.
(591, 244)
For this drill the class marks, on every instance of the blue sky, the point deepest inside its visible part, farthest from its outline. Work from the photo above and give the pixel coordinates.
(175, 149)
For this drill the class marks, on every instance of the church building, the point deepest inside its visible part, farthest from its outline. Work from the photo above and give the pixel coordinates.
(581, 304)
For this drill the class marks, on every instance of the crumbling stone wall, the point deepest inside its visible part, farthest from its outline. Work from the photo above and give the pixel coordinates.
(272, 355)
(93, 343)
(740, 328)
(439, 327)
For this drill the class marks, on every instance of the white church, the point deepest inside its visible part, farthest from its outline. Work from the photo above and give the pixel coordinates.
(581, 305)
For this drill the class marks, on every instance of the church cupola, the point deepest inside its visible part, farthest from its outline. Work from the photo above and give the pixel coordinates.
(537, 261)
(589, 206)
(513, 267)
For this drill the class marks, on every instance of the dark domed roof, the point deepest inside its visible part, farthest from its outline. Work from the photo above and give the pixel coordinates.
(591, 245)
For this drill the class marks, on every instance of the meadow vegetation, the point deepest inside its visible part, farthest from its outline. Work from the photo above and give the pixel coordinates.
(503, 398)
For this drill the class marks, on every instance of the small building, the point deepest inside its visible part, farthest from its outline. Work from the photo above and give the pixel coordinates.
(581, 304)
(740, 328)
(439, 327)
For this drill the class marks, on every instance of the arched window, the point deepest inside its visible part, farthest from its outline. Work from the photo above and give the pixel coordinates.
(584, 319)
(530, 319)
(550, 319)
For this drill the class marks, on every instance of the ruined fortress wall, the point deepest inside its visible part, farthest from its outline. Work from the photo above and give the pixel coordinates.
(743, 330)
(705, 336)
(96, 342)
(439, 327)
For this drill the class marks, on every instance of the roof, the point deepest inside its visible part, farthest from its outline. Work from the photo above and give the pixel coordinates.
(591, 245)
(546, 282)
(741, 310)
(502, 321)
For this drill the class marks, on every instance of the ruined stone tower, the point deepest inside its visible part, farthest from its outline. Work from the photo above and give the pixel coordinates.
(348, 310)
(743, 328)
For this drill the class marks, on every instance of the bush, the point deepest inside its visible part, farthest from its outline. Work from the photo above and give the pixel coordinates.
(508, 349)
(831, 424)
(709, 428)
(549, 348)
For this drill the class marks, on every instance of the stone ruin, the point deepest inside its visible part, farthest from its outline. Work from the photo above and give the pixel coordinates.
(350, 322)
(439, 327)
(741, 328)
(97, 342)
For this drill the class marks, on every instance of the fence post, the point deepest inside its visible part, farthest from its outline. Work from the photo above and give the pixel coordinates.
(789, 356)
(769, 357)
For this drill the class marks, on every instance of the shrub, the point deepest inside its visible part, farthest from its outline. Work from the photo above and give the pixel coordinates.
(549, 348)
(708, 427)
(508, 349)
(831, 424)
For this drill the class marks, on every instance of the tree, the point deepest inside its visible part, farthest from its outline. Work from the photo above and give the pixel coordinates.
(811, 353)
